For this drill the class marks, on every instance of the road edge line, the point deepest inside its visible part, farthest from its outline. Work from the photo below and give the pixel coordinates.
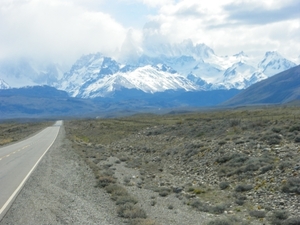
(8, 203)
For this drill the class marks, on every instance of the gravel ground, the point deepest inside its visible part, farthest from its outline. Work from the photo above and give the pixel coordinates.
(61, 191)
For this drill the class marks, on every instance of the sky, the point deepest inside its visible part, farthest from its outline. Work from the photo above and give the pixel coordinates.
(63, 30)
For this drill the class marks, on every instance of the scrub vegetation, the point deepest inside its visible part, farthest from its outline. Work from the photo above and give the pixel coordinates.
(241, 163)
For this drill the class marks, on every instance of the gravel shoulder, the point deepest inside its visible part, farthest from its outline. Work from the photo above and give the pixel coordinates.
(62, 191)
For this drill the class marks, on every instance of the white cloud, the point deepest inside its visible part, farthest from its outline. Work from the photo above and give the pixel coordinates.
(230, 26)
(66, 29)
(60, 30)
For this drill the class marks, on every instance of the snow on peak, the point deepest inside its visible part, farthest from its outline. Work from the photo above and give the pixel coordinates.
(148, 79)
(274, 63)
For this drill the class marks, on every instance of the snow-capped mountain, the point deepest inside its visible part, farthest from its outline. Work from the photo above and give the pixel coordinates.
(3, 84)
(239, 75)
(156, 68)
(274, 63)
(95, 75)
(171, 67)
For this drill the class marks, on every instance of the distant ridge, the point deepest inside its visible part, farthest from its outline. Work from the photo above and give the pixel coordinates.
(280, 88)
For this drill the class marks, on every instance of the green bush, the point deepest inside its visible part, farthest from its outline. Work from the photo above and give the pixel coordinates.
(104, 181)
(223, 185)
(292, 185)
(284, 165)
(243, 187)
(164, 191)
(294, 128)
(131, 211)
(278, 217)
(266, 169)
(257, 214)
(204, 207)
(122, 200)
(292, 221)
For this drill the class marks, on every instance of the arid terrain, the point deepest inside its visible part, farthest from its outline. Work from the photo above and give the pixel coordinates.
(224, 167)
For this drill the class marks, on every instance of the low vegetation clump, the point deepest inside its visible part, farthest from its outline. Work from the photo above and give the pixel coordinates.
(131, 211)
(227, 221)
(257, 214)
(204, 207)
(243, 187)
(292, 185)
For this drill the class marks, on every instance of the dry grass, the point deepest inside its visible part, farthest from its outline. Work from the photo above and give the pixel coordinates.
(14, 131)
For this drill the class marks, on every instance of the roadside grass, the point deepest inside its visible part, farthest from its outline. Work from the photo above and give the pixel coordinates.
(14, 131)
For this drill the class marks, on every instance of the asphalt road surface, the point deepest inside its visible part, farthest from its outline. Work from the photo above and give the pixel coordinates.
(17, 161)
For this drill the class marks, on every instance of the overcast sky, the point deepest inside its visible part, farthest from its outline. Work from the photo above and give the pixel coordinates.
(63, 30)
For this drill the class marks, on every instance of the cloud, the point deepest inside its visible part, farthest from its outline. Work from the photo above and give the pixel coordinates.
(247, 13)
(229, 26)
(65, 29)
(60, 30)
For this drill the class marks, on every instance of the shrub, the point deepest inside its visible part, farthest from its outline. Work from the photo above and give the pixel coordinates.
(163, 191)
(243, 187)
(294, 128)
(281, 214)
(292, 185)
(266, 169)
(297, 139)
(223, 185)
(284, 165)
(292, 221)
(225, 221)
(126, 199)
(142, 222)
(104, 181)
(204, 207)
(257, 214)
(276, 129)
(279, 217)
(131, 211)
(201, 206)
(240, 199)
(220, 222)
(217, 209)
(234, 122)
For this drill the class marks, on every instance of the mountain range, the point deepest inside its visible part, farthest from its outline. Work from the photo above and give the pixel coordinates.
(169, 67)
(278, 89)
(46, 101)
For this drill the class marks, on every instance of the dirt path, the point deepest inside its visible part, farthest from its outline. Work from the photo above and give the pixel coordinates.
(61, 191)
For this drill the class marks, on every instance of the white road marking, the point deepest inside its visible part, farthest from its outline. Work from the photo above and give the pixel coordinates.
(12, 197)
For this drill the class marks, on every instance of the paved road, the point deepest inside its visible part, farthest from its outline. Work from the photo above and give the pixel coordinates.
(17, 161)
